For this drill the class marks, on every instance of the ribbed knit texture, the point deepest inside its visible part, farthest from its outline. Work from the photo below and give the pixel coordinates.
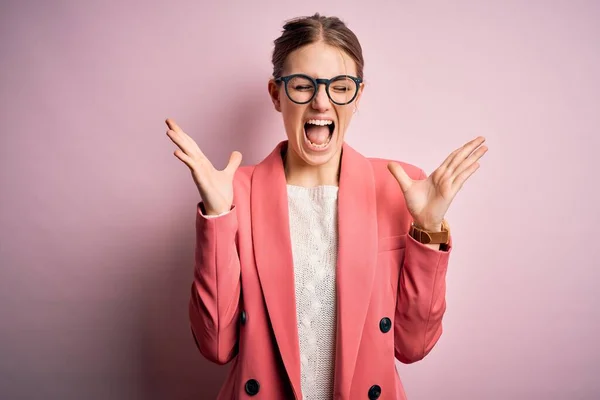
(313, 232)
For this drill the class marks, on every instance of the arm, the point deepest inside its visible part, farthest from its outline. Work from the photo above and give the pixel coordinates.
(422, 298)
(214, 301)
(421, 301)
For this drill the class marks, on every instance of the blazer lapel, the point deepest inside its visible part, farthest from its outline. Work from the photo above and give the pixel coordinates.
(355, 270)
(273, 256)
(357, 256)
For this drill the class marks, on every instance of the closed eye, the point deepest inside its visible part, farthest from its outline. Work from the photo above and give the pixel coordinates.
(341, 88)
(302, 88)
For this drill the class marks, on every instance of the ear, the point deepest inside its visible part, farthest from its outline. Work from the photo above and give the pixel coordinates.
(361, 88)
(275, 94)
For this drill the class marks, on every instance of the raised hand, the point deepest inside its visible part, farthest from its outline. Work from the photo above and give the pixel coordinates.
(428, 200)
(215, 187)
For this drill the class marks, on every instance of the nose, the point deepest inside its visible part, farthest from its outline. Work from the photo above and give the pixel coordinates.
(321, 101)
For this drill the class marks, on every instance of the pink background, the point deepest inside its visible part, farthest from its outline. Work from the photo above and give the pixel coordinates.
(97, 215)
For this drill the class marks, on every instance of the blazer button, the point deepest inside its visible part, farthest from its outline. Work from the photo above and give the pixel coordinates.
(374, 392)
(243, 317)
(385, 324)
(252, 387)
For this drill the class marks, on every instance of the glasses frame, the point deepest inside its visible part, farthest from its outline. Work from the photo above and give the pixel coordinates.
(320, 81)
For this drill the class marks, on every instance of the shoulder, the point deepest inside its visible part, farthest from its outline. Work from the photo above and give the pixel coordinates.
(243, 176)
(391, 204)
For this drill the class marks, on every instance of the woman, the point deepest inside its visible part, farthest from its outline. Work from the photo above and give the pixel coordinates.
(318, 267)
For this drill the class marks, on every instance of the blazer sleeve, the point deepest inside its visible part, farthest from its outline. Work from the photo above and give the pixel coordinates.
(215, 297)
(421, 300)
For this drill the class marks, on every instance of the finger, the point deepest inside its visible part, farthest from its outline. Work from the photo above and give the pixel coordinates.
(187, 144)
(180, 141)
(455, 153)
(234, 162)
(401, 176)
(474, 157)
(461, 179)
(185, 158)
(464, 152)
(173, 125)
(442, 168)
(177, 129)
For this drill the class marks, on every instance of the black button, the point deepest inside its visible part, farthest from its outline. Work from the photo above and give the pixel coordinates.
(374, 392)
(252, 387)
(385, 324)
(243, 317)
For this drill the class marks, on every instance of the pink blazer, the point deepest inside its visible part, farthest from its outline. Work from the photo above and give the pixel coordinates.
(390, 288)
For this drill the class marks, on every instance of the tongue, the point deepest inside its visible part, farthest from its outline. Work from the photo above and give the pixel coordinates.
(317, 134)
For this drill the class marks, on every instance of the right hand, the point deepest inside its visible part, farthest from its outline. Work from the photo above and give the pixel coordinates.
(215, 187)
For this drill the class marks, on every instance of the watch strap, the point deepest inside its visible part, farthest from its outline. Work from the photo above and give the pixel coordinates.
(427, 237)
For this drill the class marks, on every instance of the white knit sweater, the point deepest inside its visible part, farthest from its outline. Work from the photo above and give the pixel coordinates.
(313, 232)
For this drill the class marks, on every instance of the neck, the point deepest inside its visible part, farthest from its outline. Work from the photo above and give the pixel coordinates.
(299, 173)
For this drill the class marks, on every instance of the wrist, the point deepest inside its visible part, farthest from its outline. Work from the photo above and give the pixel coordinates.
(215, 212)
(207, 210)
(430, 227)
(430, 233)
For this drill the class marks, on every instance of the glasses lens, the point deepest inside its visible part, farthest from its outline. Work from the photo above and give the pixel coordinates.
(342, 90)
(300, 89)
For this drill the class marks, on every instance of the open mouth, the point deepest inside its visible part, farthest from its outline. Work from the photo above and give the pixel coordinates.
(318, 132)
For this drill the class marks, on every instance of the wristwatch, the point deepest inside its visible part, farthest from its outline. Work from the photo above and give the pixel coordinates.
(426, 237)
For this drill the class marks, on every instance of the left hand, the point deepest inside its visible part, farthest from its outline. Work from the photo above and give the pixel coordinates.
(428, 200)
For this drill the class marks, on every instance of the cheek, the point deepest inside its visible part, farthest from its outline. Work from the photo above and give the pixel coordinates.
(292, 115)
(345, 116)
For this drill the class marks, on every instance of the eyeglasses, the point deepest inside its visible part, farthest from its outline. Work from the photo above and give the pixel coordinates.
(302, 89)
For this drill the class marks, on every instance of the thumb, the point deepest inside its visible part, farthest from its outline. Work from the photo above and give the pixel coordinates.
(401, 176)
(234, 162)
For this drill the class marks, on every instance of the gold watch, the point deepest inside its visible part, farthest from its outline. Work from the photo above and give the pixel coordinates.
(426, 237)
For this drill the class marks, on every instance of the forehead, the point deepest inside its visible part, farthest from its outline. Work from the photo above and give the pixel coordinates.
(319, 60)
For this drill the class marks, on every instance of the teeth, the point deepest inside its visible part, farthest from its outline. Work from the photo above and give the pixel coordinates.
(320, 145)
(320, 122)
